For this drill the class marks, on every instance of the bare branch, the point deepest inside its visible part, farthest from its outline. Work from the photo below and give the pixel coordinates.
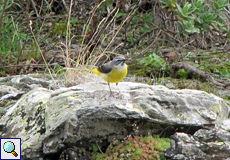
(179, 65)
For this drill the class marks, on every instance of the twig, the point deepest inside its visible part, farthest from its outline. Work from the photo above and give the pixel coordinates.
(1, 17)
(68, 31)
(191, 68)
(90, 20)
(23, 65)
(41, 7)
(99, 147)
(99, 31)
(188, 43)
(152, 42)
(41, 53)
(65, 5)
(141, 37)
(119, 28)
(34, 6)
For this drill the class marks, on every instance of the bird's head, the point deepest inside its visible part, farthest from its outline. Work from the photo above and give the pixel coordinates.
(118, 61)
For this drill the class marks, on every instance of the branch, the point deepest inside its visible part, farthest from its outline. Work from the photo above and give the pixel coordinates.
(179, 65)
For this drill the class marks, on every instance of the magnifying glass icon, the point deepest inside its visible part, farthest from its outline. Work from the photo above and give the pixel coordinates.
(9, 147)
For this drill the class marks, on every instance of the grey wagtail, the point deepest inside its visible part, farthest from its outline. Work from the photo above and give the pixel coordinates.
(113, 71)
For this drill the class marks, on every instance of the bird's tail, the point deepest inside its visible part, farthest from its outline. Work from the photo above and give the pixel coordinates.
(96, 71)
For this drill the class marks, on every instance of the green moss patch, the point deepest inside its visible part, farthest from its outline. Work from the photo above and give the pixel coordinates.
(135, 148)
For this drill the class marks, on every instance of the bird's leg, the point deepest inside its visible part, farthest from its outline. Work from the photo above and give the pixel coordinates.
(118, 88)
(119, 91)
(110, 90)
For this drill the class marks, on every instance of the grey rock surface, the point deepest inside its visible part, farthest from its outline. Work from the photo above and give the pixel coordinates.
(49, 121)
(204, 144)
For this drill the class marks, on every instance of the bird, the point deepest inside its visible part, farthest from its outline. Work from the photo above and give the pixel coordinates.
(113, 71)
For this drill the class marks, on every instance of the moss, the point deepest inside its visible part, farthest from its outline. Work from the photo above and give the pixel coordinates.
(151, 66)
(135, 148)
(3, 104)
(164, 142)
(216, 108)
(183, 73)
(191, 84)
(227, 102)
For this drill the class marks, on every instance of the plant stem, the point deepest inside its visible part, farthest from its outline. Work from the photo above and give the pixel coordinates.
(1, 17)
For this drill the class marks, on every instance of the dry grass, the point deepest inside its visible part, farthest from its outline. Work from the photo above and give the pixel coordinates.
(87, 58)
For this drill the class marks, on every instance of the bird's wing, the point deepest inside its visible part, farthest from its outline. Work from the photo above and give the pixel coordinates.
(105, 68)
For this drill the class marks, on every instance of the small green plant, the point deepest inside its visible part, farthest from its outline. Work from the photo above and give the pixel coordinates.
(58, 69)
(73, 22)
(11, 38)
(225, 72)
(151, 66)
(198, 16)
(229, 62)
(94, 148)
(97, 156)
(2, 72)
(13, 41)
(60, 27)
(136, 148)
(155, 61)
(182, 73)
(144, 23)
(170, 4)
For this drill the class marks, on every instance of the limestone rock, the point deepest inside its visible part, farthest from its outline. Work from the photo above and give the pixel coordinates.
(50, 121)
(204, 144)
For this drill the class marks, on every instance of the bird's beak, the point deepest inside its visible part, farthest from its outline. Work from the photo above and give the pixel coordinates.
(124, 61)
(127, 60)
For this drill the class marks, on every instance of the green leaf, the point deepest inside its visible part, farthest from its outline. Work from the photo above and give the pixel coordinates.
(154, 60)
(196, 65)
(146, 26)
(190, 28)
(148, 18)
(179, 9)
(182, 73)
(209, 17)
(143, 30)
(216, 5)
(130, 38)
(185, 12)
(186, 8)
(95, 148)
(199, 20)
(224, 72)
(202, 67)
(119, 14)
(222, 26)
(198, 4)
(193, 30)
(221, 4)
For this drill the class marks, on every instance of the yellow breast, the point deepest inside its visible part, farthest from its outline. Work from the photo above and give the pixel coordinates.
(116, 75)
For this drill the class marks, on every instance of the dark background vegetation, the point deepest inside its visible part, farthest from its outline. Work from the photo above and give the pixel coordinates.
(177, 43)
(162, 38)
